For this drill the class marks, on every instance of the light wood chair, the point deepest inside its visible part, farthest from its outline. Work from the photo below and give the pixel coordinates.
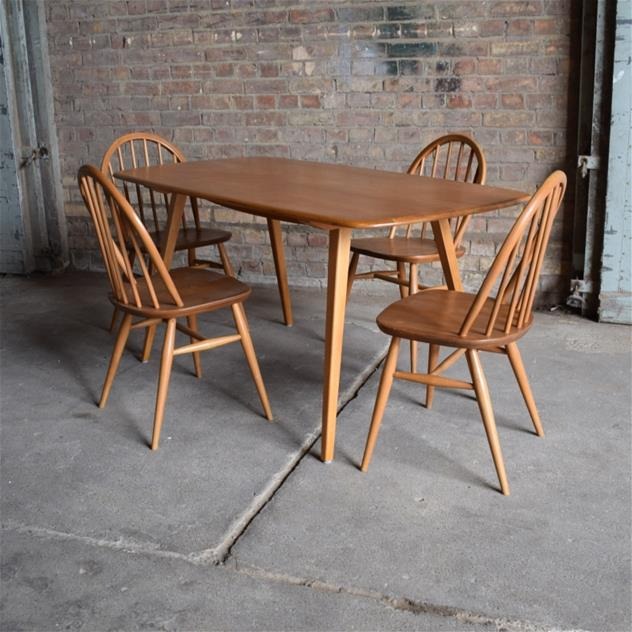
(453, 156)
(470, 323)
(139, 149)
(143, 289)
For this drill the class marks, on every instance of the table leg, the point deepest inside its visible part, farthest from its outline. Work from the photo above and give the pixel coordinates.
(339, 250)
(167, 248)
(447, 253)
(174, 221)
(274, 227)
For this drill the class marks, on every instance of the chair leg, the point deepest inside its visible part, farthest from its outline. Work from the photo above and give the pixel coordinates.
(150, 334)
(487, 413)
(401, 276)
(386, 382)
(163, 381)
(523, 382)
(353, 266)
(119, 347)
(226, 264)
(433, 356)
(246, 342)
(413, 285)
(197, 364)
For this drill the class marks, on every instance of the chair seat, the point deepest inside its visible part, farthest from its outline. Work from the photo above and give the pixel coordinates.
(201, 290)
(192, 238)
(436, 316)
(406, 249)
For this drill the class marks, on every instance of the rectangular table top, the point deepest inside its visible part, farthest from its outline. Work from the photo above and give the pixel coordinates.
(322, 194)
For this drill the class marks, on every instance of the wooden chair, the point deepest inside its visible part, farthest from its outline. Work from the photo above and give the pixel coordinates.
(143, 289)
(140, 149)
(470, 323)
(455, 157)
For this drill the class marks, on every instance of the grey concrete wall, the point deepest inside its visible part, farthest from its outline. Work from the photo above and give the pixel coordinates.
(616, 274)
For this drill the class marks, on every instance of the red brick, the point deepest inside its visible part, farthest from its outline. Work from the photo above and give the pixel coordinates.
(269, 69)
(224, 70)
(181, 87)
(465, 67)
(310, 101)
(242, 102)
(516, 8)
(520, 28)
(267, 86)
(265, 101)
(265, 118)
(490, 66)
(512, 101)
(507, 49)
(492, 28)
(303, 16)
(287, 101)
(547, 26)
(459, 101)
(508, 119)
(540, 137)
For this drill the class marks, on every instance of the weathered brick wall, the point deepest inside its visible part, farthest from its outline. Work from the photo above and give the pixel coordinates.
(358, 82)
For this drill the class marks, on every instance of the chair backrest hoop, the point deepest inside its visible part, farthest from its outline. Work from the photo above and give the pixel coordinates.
(464, 159)
(140, 149)
(455, 157)
(516, 268)
(112, 152)
(124, 241)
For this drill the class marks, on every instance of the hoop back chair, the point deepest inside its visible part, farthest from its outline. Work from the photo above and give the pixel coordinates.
(142, 149)
(470, 323)
(450, 157)
(143, 288)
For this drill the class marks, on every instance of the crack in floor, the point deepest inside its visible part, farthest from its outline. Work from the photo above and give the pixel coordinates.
(505, 624)
(402, 604)
(239, 527)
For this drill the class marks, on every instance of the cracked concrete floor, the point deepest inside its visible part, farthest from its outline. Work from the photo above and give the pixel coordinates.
(234, 523)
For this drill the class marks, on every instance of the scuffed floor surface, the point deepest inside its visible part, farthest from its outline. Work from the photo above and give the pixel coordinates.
(235, 524)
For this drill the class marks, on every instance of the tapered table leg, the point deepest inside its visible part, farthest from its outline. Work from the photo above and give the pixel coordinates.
(447, 253)
(337, 276)
(276, 241)
(174, 221)
(167, 248)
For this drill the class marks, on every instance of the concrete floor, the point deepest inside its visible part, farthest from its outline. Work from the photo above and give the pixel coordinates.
(234, 524)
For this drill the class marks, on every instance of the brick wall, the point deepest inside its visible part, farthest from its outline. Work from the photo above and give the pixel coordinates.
(357, 82)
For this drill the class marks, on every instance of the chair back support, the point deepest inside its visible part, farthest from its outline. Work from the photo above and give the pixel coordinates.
(516, 268)
(124, 240)
(144, 149)
(451, 157)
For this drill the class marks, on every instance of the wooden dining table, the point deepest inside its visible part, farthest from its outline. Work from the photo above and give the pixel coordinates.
(332, 197)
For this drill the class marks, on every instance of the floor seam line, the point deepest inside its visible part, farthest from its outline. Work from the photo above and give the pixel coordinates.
(222, 552)
(120, 544)
(404, 604)
(219, 554)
